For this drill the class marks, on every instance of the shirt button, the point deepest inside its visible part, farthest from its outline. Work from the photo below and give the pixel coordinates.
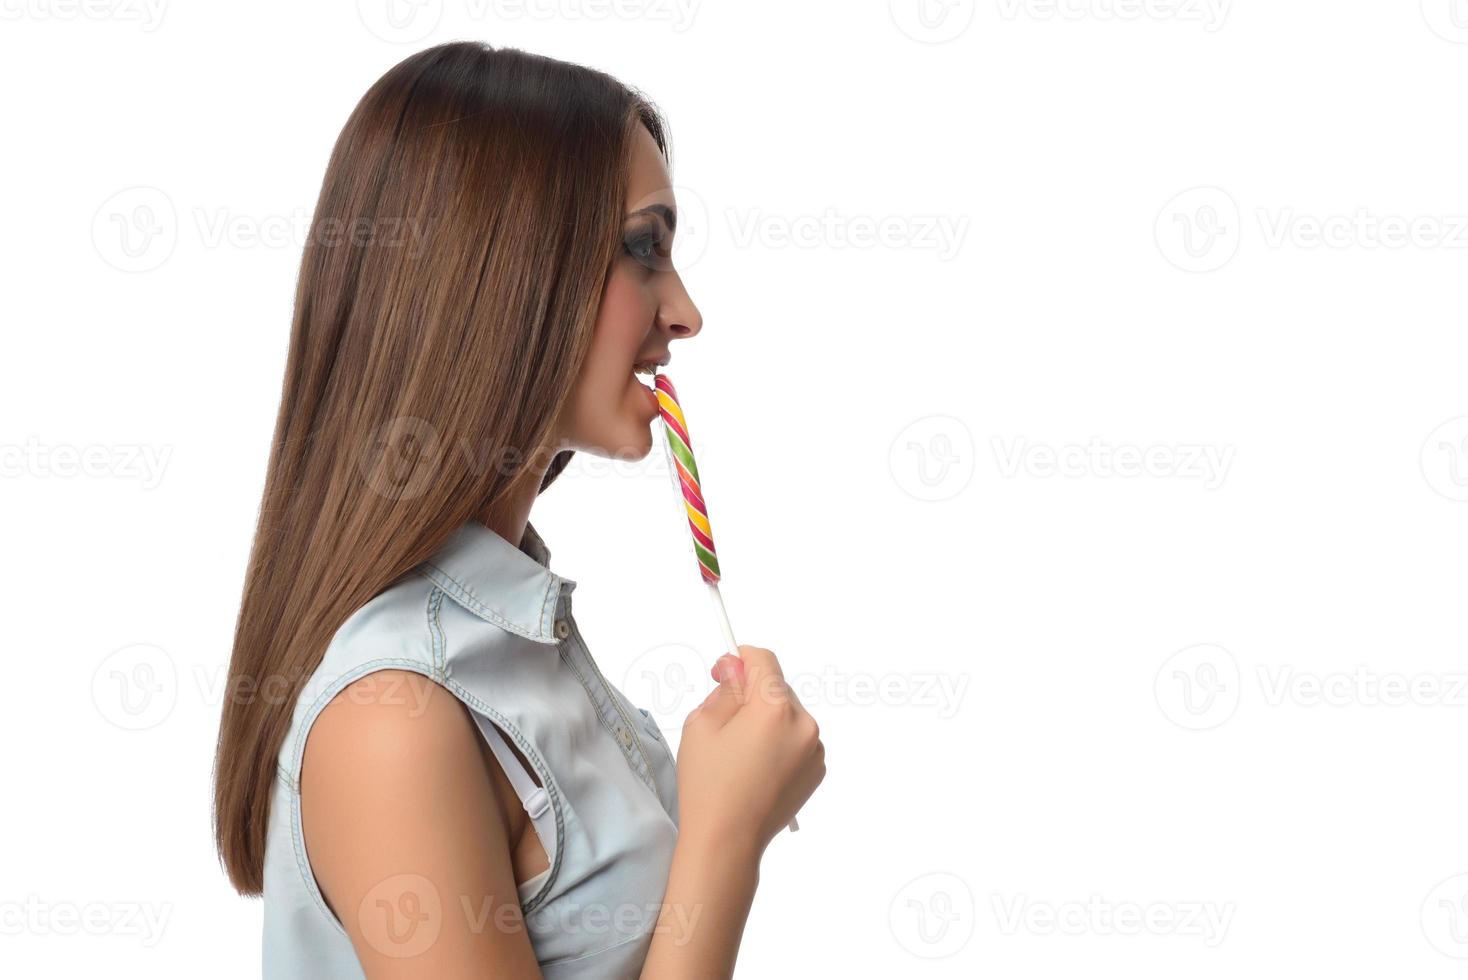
(563, 629)
(625, 736)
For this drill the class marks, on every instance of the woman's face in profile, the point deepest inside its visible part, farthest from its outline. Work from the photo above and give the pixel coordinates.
(644, 308)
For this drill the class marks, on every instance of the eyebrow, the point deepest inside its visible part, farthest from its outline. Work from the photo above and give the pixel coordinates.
(669, 216)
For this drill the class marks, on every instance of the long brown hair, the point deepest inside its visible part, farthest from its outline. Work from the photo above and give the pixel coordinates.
(466, 224)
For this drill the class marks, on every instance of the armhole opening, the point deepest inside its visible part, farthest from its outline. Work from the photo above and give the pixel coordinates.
(530, 786)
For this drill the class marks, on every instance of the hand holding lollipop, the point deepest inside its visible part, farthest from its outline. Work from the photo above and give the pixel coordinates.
(690, 494)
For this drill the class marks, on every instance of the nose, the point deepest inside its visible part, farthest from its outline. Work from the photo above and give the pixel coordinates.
(678, 316)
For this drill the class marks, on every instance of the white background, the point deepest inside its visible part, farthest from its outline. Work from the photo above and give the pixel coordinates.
(987, 285)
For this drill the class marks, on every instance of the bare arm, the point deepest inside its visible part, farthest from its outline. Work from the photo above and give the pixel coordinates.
(749, 757)
(407, 835)
(710, 889)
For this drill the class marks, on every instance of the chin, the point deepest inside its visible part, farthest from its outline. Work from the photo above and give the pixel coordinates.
(640, 445)
(633, 443)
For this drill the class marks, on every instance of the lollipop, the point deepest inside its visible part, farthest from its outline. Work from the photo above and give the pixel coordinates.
(690, 494)
(685, 469)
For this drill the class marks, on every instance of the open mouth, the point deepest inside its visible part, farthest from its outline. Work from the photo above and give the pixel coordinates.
(649, 368)
(643, 373)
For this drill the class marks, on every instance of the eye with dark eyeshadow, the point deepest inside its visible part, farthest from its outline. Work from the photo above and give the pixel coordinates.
(647, 243)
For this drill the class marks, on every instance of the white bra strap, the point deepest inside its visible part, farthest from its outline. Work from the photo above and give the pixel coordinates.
(535, 799)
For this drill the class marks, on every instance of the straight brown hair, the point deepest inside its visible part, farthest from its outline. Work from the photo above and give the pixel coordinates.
(468, 218)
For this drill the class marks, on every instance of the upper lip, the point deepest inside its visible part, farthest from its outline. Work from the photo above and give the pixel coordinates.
(656, 361)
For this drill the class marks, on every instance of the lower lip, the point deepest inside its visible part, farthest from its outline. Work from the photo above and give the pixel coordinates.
(652, 397)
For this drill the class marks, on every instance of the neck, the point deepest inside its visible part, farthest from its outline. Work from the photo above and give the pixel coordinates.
(508, 515)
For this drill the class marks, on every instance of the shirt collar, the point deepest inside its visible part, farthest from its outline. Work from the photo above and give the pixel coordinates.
(510, 587)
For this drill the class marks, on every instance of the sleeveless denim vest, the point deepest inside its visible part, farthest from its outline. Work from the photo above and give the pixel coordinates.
(492, 624)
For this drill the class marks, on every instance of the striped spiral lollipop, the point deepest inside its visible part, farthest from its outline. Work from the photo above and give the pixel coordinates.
(680, 448)
(675, 426)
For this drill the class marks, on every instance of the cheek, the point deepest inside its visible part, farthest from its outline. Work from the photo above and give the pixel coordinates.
(603, 395)
(623, 321)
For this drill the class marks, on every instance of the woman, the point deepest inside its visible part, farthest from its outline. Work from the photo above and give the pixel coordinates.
(421, 767)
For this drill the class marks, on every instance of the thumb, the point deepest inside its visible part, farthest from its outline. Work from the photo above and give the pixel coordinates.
(728, 667)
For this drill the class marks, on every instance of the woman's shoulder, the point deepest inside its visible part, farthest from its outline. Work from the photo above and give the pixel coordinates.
(387, 719)
(389, 630)
(388, 722)
(388, 633)
(415, 626)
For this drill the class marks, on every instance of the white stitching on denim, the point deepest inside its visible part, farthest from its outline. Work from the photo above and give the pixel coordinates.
(645, 776)
(460, 594)
(547, 614)
(644, 768)
(435, 633)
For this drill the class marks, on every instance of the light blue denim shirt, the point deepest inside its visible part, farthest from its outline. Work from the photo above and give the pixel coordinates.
(492, 624)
